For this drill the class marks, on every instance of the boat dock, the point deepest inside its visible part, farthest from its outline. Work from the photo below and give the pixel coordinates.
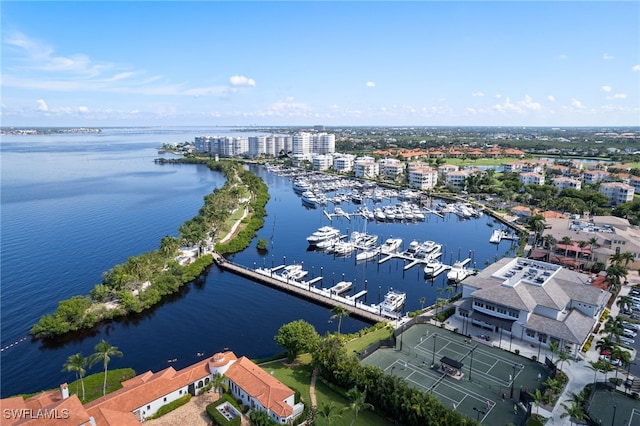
(371, 313)
(413, 261)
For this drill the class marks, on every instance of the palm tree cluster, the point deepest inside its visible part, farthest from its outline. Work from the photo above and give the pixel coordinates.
(78, 364)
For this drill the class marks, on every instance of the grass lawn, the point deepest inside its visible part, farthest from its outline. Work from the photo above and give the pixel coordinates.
(298, 378)
(368, 339)
(324, 395)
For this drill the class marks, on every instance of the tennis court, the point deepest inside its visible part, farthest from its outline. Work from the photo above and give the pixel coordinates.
(625, 413)
(472, 377)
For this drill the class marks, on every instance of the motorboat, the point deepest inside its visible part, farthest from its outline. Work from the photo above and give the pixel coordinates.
(293, 272)
(391, 245)
(433, 268)
(429, 250)
(343, 248)
(341, 287)
(413, 248)
(323, 233)
(329, 243)
(458, 272)
(301, 185)
(309, 198)
(496, 236)
(367, 255)
(393, 301)
(362, 239)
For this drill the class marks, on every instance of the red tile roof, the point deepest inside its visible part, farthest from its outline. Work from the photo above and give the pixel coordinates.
(261, 385)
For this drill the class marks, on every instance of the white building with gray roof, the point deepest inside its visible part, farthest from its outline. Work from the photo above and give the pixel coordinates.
(532, 301)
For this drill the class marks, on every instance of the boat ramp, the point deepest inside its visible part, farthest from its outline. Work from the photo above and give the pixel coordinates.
(305, 289)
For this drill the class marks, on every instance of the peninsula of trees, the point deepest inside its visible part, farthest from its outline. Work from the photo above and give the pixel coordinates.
(143, 280)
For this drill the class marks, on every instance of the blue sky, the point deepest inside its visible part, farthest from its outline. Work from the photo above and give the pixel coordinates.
(333, 63)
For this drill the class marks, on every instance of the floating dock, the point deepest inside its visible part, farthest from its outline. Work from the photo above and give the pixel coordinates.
(304, 289)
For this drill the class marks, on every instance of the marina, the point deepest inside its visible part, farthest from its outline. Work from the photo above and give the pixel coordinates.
(218, 294)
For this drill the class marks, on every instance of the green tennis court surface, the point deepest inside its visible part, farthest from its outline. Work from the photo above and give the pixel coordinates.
(479, 381)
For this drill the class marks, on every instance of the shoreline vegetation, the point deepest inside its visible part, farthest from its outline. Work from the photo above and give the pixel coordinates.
(237, 208)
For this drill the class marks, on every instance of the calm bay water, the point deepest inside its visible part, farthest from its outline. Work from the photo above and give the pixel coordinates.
(75, 205)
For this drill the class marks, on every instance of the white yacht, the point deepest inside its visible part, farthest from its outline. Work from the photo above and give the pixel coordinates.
(391, 245)
(433, 268)
(309, 198)
(459, 272)
(293, 272)
(393, 301)
(323, 233)
(343, 248)
(301, 185)
(366, 255)
(429, 250)
(341, 287)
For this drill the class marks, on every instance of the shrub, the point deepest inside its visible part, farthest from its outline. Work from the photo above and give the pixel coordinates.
(217, 417)
(167, 408)
(516, 351)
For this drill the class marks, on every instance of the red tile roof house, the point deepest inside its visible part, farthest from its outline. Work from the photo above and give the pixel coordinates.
(142, 396)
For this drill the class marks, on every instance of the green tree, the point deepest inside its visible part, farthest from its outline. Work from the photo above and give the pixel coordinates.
(574, 411)
(218, 382)
(330, 412)
(77, 364)
(566, 241)
(357, 402)
(169, 245)
(538, 397)
(339, 312)
(260, 418)
(103, 353)
(422, 300)
(297, 337)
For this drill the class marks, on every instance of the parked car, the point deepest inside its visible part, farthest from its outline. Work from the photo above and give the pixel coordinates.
(630, 326)
(627, 340)
(629, 333)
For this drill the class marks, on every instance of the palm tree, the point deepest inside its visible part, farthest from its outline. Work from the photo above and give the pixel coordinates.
(624, 302)
(550, 241)
(596, 366)
(358, 402)
(330, 411)
(566, 241)
(613, 326)
(218, 381)
(339, 312)
(582, 245)
(605, 344)
(538, 397)
(627, 257)
(536, 224)
(554, 346)
(593, 244)
(622, 355)
(574, 411)
(77, 364)
(563, 357)
(104, 352)
(422, 300)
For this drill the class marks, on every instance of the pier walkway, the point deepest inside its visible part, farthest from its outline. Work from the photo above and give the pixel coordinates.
(305, 290)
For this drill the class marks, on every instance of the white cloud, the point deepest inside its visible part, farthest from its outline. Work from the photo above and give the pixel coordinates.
(607, 57)
(551, 98)
(42, 106)
(563, 57)
(577, 104)
(83, 109)
(370, 84)
(520, 107)
(618, 96)
(477, 94)
(636, 68)
(498, 96)
(241, 80)
(606, 88)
